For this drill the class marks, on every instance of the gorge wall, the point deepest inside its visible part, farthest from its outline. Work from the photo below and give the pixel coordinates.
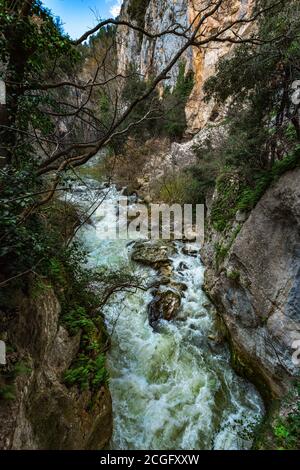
(44, 413)
(152, 55)
(256, 286)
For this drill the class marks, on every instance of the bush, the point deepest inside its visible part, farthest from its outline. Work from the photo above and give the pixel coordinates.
(87, 373)
(250, 196)
(179, 189)
(224, 208)
(233, 275)
(137, 11)
(174, 103)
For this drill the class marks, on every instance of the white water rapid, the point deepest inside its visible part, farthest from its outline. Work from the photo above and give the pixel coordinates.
(172, 389)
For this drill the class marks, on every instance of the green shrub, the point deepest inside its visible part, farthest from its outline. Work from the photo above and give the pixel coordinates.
(174, 103)
(137, 10)
(224, 206)
(233, 275)
(251, 195)
(87, 373)
(286, 429)
(179, 189)
(7, 392)
(77, 319)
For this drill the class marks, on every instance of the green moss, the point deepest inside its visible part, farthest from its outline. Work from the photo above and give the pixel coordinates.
(233, 275)
(7, 392)
(221, 252)
(224, 206)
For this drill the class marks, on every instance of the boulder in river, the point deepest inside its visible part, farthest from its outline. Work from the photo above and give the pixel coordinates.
(190, 250)
(165, 305)
(153, 253)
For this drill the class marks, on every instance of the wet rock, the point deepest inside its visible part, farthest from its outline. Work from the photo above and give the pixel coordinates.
(182, 266)
(165, 305)
(179, 286)
(166, 270)
(190, 250)
(161, 281)
(156, 254)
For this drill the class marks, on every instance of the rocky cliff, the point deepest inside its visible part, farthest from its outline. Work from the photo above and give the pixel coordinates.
(256, 287)
(152, 55)
(43, 413)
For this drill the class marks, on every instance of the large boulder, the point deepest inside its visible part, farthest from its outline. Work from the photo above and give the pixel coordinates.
(153, 253)
(164, 305)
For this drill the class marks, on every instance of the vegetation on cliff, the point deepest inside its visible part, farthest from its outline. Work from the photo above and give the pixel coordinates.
(263, 121)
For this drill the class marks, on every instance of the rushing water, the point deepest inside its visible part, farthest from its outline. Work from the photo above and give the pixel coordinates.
(174, 389)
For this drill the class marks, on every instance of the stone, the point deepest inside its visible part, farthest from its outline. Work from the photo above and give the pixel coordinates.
(190, 250)
(241, 216)
(182, 266)
(165, 305)
(153, 253)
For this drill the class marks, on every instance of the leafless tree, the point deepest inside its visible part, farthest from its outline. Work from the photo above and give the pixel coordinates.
(79, 132)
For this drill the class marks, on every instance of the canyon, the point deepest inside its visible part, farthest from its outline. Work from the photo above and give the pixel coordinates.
(205, 356)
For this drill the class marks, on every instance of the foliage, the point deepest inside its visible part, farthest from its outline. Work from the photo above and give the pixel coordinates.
(87, 373)
(165, 116)
(251, 195)
(137, 11)
(235, 193)
(77, 319)
(7, 392)
(233, 275)
(13, 369)
(179, 189)
(174, 103)
(262, 135)
(224, 204)
(81, 313)
(281, 429)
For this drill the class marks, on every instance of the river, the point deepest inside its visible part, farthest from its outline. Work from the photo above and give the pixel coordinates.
(172, 389)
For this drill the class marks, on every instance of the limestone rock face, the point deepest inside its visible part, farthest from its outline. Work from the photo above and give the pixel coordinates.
(45, 414)
(260, 303)
(152, 55)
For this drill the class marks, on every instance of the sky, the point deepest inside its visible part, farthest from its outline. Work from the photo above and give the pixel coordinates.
(80, 15)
